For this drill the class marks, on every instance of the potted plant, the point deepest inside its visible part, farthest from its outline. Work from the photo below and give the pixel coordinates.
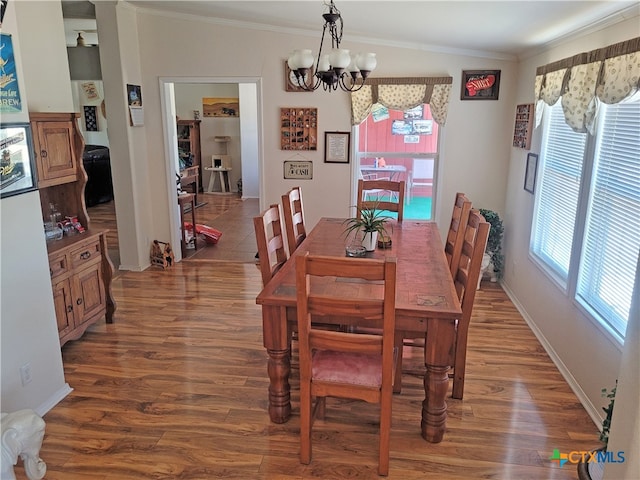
(593, 471)
(494, 242)
(371, 222)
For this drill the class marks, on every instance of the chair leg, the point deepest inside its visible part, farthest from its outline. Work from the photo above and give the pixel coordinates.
(305, 423)
(459, 365)
(385, 433)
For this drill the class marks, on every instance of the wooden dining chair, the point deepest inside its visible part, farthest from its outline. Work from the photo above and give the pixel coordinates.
(270, 240)
(453, 243)
(474, 241)
(343, 364)
(476, 233)
(293, 212)
(395, 189)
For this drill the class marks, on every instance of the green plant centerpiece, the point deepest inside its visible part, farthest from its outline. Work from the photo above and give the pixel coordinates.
(494, 242)
(371, 222)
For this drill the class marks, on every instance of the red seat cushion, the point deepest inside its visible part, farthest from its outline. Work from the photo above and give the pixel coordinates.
(348, 368)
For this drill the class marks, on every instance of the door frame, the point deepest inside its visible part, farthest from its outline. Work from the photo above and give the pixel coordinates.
(251, 121)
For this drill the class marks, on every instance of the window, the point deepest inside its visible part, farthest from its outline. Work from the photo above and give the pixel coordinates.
(401, 145)
(586, 230)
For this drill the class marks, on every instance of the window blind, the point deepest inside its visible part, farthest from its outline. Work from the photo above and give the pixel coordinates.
(557, 196)
(612, 232)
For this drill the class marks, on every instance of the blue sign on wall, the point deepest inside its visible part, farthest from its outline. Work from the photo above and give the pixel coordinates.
(9, 93)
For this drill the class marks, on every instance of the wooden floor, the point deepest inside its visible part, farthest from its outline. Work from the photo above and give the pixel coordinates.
(176, 388)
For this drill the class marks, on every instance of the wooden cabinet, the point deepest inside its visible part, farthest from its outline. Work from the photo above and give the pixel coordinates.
(80, 274)
(55, 149)
(189, 147)
(79, 264)
(58, 146)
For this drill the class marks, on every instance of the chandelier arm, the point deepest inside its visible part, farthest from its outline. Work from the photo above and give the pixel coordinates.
(353, 87)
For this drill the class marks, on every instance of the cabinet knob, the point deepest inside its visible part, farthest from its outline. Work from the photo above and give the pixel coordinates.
(43, 153)
(85, 255)
(79, 301)
(69, 308)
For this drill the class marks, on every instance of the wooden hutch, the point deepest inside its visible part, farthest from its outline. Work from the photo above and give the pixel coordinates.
(79, 264)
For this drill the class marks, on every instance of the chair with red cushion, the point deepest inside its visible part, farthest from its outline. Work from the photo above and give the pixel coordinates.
(339, 363)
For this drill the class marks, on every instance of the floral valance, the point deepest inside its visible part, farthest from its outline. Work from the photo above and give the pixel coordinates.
(402, 94)
(607, 75)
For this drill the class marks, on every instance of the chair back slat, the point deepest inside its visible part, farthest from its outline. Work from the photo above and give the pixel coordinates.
(381, 187)
(293, 213)
(453, 243)
(269, 238)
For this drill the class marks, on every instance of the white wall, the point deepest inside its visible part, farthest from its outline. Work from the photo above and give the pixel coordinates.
(475, 152)
(27, 315)
(134, 172)
(586, 356)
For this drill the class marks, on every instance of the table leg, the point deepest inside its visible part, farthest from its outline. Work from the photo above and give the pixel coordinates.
(278, 368)
(276, 338)
(438, 356)
(434, 406)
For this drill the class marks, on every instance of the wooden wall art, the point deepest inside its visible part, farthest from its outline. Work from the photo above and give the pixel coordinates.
(299, 128)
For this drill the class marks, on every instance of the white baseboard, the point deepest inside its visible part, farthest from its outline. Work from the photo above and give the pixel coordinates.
(555, 358)
(53, 400)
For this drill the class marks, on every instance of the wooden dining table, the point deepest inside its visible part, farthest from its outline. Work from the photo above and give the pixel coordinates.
(426, 304)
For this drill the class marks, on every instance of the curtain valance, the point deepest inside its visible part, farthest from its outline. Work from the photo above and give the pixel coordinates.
(607, 75)
(402, 94)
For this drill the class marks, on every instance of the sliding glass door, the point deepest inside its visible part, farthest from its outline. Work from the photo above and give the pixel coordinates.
(397, 145)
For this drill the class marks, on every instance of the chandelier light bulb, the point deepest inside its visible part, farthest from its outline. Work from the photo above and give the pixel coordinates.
(324, 65)
(292, 60)
(305, 58)
(339, 58)
(367, 61)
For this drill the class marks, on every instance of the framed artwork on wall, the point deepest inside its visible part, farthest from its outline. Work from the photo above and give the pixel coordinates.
(336, 147)
(480, 85)
(18, 161)
(530, 173)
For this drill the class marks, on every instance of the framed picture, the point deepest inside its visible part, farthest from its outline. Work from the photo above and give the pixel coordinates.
(480, 85)
(336, 147)
(530, 173)
(18, 170)
(220, 107)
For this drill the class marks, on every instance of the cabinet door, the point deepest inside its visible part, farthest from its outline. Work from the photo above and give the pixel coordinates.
(55, 153)
(63, 302)
(89, 294)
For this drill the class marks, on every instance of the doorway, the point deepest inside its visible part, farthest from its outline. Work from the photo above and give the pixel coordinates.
(250, 142)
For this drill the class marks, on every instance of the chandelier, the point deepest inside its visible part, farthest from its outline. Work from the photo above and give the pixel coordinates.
(336, 69)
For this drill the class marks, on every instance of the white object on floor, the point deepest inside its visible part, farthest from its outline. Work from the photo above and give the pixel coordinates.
(22, 435)
(484, 266)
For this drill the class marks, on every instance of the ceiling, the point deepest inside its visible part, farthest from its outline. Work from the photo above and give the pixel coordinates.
(498, 29)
